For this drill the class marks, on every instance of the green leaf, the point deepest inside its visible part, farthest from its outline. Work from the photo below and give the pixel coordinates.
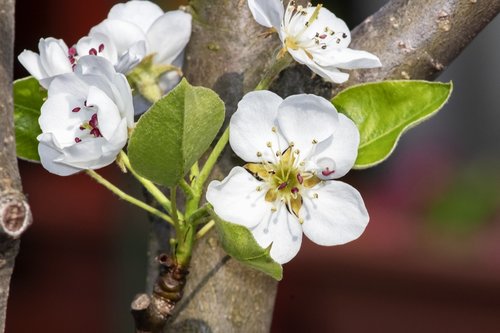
(239, 243)
(174, 133)
(28, 99)
(383, 111)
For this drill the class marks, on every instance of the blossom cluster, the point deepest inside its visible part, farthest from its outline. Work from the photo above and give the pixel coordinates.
(90, 109)
(295, 148)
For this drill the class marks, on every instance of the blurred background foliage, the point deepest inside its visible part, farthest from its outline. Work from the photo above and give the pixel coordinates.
(429, 260)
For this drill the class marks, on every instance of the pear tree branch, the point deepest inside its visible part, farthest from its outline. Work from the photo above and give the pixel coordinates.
(15, 215)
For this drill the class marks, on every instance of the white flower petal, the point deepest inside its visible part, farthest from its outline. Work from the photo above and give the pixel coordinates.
(99, 43)
(348, 59)
(237, 200)
(131, 58)
(331, 74)
(342, 149)
(283, 231)
(123, 98)
(341, 36)
(140, 13)
(86, 154)
(49, 152)
(336, 217)
(107, 113)
(117, 141)
(268, 13)
(123, 34)
(306, 118)
(169, 35)
(251, 127)
(54, 56)
(68, 83)
(31, 61)
(57, 118)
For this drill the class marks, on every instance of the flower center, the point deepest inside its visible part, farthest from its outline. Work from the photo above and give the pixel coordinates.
(295, 26)
(286, 179)
(89, 128)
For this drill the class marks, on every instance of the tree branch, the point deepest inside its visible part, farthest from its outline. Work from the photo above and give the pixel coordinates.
(15, 215)
(414, 39)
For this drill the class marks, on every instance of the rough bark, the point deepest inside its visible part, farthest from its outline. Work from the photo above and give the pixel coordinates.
(414, 39)
(15, 215)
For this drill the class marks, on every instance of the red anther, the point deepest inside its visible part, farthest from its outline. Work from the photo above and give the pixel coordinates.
(72, 60)
(72, 51)
(327, 172)
(78, 140)
(295, 190)
(300, 179)
(101, 48)
(283, 186)
(95, 132)
(93, 51)
(77, 109)
(323, 36)
(73, 67)
(93, 121)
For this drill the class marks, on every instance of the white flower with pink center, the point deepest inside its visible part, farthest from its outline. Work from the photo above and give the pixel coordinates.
(85, 119)
(54, 59)
(313, 36)
(296, 149)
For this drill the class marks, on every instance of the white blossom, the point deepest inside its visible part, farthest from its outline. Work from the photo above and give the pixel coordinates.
(296, 149)
(54, 59)
(85, 119)
(136, 29)
(313, 36)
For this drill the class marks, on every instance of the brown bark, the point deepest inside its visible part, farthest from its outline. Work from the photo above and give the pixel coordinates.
(226, 53)
(15, 215)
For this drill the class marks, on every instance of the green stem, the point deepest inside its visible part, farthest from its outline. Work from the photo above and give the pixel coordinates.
(279, 65)
(175, 213)
(206, 228)
(148, 185)
(134, 201)
(210, 163)
(199, 214)
(195, 171)
(186, 188)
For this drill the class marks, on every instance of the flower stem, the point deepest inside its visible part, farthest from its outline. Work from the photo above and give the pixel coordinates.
(186, 188)
(195, 171)
(199, 215)
(206, 228)
(175, 213)
(148, 185)
(277, 67)
(134, 201)
(210, 163)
